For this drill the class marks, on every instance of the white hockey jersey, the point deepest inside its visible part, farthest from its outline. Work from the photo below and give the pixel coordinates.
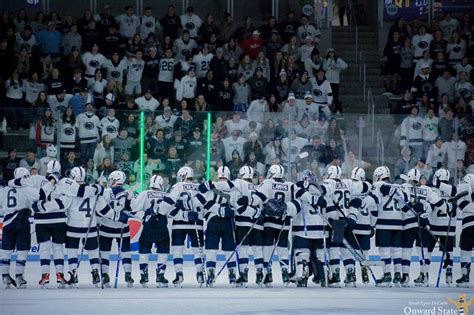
(191, 23)
(389, 214)
(466, 205)
(439, 219)
(202, 64)
(89, 125)
(92, 62)
(110, 126)
(15, 199)
(118, 200)
(58, 106)
(115, 71)
(184, 190)
(322, 92)
(148, 24)
(67, 135)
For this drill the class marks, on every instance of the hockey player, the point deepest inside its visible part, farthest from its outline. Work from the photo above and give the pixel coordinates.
(119, 200)
(338, 197)
(388, 235)
(220, 227)
(81, 229)
(16, 204)
(182, 195)
(155, 230)
(248, 228)
(366, 219)
(443, 224)
(309, 232)
(466, 205)
(50, 226)
(416, 224)
(51, 154)
(276, 230)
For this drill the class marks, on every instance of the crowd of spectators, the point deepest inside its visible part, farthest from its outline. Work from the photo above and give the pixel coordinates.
(430, 66)
(81, 82)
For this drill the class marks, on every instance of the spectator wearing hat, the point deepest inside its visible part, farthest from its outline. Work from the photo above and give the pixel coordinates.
(322, 92)
(253, 145)
(289, 108)
(306, 107)
(436, 156)
(307, 28)
(258, 84)
(147, 102)
(425, 59)
(191, 22)
(423, 83)
(306, 49)
(430, 130)
(50, 40)
(333, 65)
(301, 85)
(405, 163)
(412, 132)
(196, 145)
(9, 164)
(252, 45)
(425, 170)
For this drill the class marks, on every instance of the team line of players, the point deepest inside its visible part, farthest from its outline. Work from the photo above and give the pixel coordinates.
(326, 222)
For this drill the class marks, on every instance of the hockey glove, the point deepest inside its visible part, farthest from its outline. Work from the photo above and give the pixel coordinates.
(183, 204)
(205, 187)
(243, 201)
(274, 208)
(191, 216)
(452, 210)
(356, 203)
(226, 212)
(123, 217)
(424, 222)
(385, 190)
(418, 207)
(351, 223)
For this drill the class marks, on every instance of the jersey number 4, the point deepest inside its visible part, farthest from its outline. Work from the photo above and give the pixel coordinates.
(86, 207)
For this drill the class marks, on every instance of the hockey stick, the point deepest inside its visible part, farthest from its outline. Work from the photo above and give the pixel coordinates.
(326, 254)
(201, 252)
(445, 252)
(269, 266)
(100, 258)
(119, 258)
(236, 249)
(360, 257)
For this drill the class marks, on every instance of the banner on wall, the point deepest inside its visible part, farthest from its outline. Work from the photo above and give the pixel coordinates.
(408, 9)
(455, 6)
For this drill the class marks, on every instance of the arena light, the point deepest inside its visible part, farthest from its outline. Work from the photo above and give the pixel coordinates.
(208, 147)
(142, 150)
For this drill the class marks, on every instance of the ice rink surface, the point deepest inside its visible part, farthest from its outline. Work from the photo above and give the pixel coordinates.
(222, 299)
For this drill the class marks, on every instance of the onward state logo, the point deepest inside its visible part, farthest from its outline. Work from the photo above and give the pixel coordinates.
(453, 306)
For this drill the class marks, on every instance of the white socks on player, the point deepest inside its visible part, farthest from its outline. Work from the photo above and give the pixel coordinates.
(45, 256)
(5, 260)
(386, 259)
(178, 257)
(58, 254)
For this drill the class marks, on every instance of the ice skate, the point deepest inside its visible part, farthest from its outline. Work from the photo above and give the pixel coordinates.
(385, 281)
(232, 277)
(285, 276)
(73, 279)
(161, 281)
(422, 280)
(449, 276)
(200, 278)
(106, 280)
(211, 277)
(178, 281)
(95, 277)
(20, 282)
(129, 280)
(365, 275)
(8, 281)
(243, 278)
(268, 280)
(60, 280)
(334, 281)
(44, 281)
(405, 283)
(144, 278)
(397, 279)
(350, 280)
